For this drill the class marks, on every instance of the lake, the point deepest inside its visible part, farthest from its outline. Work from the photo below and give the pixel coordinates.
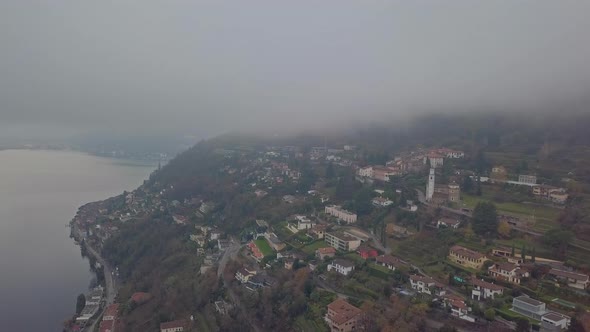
(42, 271)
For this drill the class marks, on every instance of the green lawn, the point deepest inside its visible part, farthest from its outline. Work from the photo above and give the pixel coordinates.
(312, 247)
(545, 217)
(264, 247)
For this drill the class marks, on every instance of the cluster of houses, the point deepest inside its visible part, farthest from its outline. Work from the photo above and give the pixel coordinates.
(554, 194)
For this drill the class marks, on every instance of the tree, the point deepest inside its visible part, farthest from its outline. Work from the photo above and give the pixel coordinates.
(485, 219)
(512, 253)
(490, 314)
(504, 229)
(447, 328)
(533, 255)
(523, 253)
(330, 171)
(467, 184)
(523, 325)
(362, 201)
(80, 303)
(576, 326)
(558, 239)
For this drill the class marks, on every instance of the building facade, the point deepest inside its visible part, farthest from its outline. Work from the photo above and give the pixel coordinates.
(466, 257)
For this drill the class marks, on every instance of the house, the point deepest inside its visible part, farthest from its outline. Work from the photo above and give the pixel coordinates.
(244, 274)
(436, 159)
(388, 261)
(322, 253)
(366, 172)
(303, 222)
(485, 290)
(260, 193)
(342, 241)
(448, 223)
(206, 207)
(499, 173)
(341, 266)
(529, 307)
(289, 263)
(274, 242)
(179, 219)
(111, 312)
(338, 212)
(530, 179)
(289, 199)
(317, 231)
(450, 153)
(367, 252)
(466, 257)
(382, 202)
(140, 297)
(383, 173)
(106, 326)
(222, 307)
(312, 265)
(554, 321)
(458, 307)
(174, 326)
(426, 285)
(507, 271)
(575, 280)
(199, 239)
(343, 317)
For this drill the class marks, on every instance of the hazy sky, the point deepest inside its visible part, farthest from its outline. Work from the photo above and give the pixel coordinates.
(203, 67)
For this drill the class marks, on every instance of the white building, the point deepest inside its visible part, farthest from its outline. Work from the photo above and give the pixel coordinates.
(531, 179)
(341, 266)
(485, 290)
(366, 172)
(426, 285)
(341, 214)
(383, 202)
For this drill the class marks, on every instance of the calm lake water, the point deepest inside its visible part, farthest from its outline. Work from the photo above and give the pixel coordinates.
(41, 269)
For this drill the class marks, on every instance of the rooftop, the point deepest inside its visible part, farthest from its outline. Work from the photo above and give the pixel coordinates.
(462, 251)
(173, 324)
(343, 311)
(569, 275)
(528, 300)
(343, 262)
(486, 285)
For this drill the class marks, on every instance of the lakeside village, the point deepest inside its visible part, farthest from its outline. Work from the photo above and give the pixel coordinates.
(414, 226)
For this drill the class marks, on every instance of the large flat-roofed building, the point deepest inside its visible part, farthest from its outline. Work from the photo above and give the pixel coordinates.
(466, 257)
(529, 307)
(530, 179)
(342, 241)
(340, 213)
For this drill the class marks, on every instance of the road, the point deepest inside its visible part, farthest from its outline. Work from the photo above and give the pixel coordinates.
(229, 254)
(111, 286)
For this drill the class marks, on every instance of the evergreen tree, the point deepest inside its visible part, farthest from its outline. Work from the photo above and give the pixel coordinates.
(533, 255)
(523, 253)
(513, 251)
(485, 219)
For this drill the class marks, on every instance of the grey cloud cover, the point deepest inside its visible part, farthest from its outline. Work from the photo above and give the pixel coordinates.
(203, 67)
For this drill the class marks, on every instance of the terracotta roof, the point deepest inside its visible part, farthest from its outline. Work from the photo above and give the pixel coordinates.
(112, 310)
(106, 326)
(343, 311)
(427, 280)
(486, 285)
(140, 297)
(462, 251)
(569, 275)
(327, 250)
(173, 324)
(506, 266)
(387, 259)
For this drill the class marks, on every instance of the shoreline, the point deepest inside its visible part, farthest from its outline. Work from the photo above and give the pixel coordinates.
(109, 281)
